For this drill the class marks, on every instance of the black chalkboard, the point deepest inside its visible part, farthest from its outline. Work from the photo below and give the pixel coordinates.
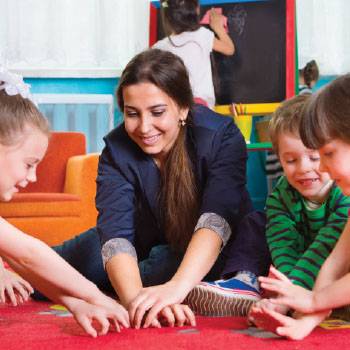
(256, 73)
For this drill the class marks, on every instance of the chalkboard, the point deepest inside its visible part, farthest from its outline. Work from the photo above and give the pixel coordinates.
(256, 73)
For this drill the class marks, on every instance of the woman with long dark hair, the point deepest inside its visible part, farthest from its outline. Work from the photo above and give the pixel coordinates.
(171, 197)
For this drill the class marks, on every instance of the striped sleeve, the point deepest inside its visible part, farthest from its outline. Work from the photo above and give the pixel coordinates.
(281, 231)
(308, 266)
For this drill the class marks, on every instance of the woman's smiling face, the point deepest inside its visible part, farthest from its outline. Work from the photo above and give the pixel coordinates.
(152, 119)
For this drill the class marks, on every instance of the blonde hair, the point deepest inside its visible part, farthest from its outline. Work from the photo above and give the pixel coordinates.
(286, 118)
(16, 113)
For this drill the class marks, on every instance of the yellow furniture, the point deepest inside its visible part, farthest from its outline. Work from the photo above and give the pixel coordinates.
(245, 124)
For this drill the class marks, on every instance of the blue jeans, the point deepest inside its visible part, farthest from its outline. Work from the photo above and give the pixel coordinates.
(83, 252)
(246, 250)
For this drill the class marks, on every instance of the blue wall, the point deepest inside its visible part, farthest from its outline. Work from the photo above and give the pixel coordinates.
(76, 86)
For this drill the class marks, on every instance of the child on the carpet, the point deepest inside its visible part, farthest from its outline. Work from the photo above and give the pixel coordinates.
(24, 134)
(325, 126)
(194, 43)
(306, 212)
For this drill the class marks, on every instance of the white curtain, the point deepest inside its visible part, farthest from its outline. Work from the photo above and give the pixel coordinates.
(323, 28)
(72, 37)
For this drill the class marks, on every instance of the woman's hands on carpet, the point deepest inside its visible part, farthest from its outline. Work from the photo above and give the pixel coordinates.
(13, 288)
(161, 304)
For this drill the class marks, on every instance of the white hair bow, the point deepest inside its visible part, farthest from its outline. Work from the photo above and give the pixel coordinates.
(13, 84)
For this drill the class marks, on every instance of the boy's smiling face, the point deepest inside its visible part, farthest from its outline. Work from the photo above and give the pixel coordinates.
(301, 167)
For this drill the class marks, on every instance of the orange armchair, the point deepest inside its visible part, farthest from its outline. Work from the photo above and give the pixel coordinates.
(61, 204)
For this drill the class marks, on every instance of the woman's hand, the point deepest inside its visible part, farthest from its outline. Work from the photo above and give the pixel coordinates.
(85, 314)
(155, 300)
(13, 287)
(293, 296)
(177, 315)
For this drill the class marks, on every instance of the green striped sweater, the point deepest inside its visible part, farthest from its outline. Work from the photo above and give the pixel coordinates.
(301, 239)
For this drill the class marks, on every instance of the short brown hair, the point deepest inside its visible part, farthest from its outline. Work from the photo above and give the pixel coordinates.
(327, 116)
(16, 113)
(286, 118)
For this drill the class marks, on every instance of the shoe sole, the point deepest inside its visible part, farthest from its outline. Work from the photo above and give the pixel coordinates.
(213, 301)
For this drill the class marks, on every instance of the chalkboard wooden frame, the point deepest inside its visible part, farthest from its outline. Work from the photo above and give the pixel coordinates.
(286, 81)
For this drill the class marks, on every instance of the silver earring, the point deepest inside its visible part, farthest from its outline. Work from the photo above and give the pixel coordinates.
(182, 122)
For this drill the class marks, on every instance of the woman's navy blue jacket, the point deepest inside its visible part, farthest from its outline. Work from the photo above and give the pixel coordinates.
(128, 181)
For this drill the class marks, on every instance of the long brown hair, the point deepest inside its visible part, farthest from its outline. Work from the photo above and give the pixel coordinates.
(16, 113)
(178, 197)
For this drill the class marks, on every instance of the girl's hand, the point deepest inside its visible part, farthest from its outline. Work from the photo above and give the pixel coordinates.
(216, 21)
(293, 296)
(85, 314)
(153, 300)
(13, 288)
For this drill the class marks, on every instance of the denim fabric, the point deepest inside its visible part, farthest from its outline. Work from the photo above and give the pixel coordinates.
(83, 252)
(246, 250)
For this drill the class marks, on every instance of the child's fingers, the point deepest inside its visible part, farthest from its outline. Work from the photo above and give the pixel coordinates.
(85, 323)
(270, 287)
(2, 295)
(122, 316)
(284, 320)
(21, 290)
(104, 323)
(279, 275)
(11, 295)
(27, 286)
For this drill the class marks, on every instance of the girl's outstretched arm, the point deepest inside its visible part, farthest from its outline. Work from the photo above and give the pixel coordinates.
(223, 42)
(38, 263)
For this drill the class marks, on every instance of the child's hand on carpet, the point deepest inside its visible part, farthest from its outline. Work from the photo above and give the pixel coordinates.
(13, 288)
(291, 328)
(87, 314)
(289, 294)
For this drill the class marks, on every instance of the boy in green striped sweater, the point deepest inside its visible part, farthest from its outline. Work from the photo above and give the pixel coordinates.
(306, 212)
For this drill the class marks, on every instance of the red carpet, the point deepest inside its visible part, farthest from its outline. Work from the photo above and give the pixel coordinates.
(39, 326)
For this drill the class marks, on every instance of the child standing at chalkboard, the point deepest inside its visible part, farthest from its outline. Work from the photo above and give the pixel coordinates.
(194, 43)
